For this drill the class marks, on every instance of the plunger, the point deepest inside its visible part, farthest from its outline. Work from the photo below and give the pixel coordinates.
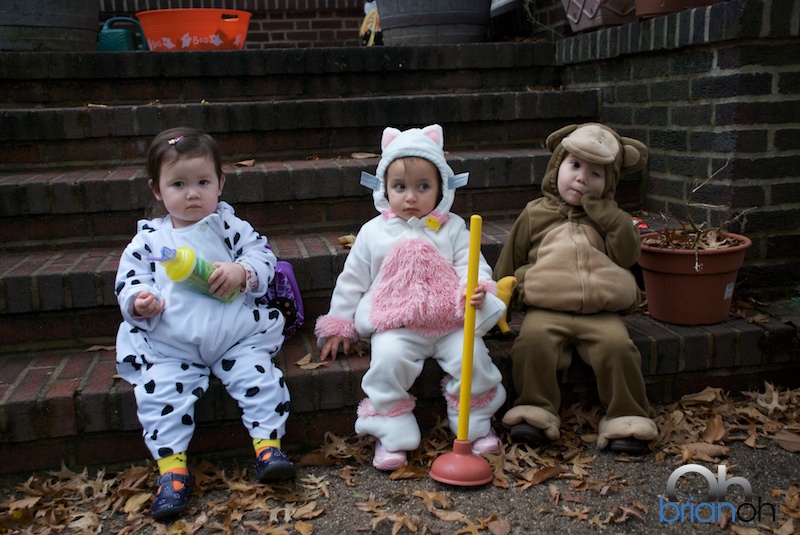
(462, 467)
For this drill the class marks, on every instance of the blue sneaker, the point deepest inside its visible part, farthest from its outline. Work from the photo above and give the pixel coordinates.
(169, 501)
(272, 464)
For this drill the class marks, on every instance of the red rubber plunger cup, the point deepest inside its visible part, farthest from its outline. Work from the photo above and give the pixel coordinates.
(462, 467)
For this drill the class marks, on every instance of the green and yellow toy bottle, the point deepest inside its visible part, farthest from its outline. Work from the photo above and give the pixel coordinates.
(184, 266)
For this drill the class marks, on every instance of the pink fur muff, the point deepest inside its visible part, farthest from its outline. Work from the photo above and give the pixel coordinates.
(418, 290)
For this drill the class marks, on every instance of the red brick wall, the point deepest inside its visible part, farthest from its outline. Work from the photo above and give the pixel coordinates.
(274, 23)
(711, 91)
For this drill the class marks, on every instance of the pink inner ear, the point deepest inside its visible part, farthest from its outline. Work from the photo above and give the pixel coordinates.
(389, 135)
(434, 134)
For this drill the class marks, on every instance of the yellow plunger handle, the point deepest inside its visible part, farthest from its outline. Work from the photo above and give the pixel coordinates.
(475, 227)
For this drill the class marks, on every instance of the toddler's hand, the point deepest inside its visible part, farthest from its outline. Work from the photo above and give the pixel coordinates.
(227, 277)
(147, 305)
(331, 347)
(478, 297)
(604, 212)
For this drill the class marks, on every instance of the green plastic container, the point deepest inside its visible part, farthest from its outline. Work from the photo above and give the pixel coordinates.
(184, 266)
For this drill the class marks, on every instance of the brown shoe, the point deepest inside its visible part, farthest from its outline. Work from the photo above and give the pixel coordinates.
(629, 445)
(527, 434)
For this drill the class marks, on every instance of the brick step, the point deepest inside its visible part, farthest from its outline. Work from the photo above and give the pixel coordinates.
(65, 298)
(43, 138)
(69, 406)
(93, 208)
(99, 208)
(41, 79)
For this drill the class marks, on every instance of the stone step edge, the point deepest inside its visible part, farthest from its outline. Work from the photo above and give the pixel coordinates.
(73, 406)
(25, 65)
(20, 125)
(84, 278)
(341, 172)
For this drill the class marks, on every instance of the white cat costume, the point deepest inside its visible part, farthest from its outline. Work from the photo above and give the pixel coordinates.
(168, 358)
(402, 287)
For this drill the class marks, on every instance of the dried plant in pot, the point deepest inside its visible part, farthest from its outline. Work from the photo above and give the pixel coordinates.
(690, 270)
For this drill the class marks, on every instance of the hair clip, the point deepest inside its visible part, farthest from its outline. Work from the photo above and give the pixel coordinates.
(175, 140)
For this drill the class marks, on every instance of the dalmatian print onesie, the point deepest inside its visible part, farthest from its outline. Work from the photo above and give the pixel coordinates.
(168, 359)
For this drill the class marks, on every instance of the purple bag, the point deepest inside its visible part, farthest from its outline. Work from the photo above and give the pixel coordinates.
(283, 293)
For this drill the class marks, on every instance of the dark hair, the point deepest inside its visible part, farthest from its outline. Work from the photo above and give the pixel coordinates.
(177, 143)
(174, 144)
(414, 160)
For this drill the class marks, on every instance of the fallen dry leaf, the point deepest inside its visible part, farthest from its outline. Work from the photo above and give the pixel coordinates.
(555, 494)
(580, 514)
(715, 429)
(371, 506)
(599, 521)
(787, 440)
(770, 401)
(705, 452)
(499, 527)
(432, 498)
(546, 473)
(347, 240)
(398, 522)
(136, 501)
(245, 163)
(708, 395)
(450, 516)
(101, 348)
(306, 364)
(409, 472)
(787, 528)
(628, 511)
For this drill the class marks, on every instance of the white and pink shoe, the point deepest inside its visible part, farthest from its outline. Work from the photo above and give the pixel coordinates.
(388, 460)
(489, 444)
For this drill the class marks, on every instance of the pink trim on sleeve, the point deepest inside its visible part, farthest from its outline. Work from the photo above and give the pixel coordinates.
(328, 326)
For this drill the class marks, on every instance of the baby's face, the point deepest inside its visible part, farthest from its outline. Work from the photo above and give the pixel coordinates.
(577, 177)
(189, 189)
(412, 185)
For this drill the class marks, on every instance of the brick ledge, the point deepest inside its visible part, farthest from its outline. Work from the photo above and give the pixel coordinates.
(71, 407)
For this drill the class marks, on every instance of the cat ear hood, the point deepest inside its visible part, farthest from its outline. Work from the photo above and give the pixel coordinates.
(427, 143)
(595, 143)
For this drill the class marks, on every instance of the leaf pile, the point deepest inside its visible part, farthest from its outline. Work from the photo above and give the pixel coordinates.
(698, 428)
(706, 240)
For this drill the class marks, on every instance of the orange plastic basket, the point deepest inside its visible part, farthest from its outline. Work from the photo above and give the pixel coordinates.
(194, 29)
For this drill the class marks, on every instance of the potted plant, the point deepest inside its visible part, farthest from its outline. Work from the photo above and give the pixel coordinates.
(646, 9)
(586, 15)
(689, 272)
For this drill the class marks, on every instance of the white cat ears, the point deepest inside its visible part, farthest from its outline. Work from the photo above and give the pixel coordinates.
(434, 132)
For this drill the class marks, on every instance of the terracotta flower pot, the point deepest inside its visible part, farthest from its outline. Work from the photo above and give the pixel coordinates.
(646, 9)
(689, 287)
(593, 14)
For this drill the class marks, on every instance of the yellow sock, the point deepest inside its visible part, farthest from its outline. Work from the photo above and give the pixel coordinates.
(260, 444)
(174, 463)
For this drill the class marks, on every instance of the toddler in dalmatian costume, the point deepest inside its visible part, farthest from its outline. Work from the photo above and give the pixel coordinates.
(172, 337)
(403, 288)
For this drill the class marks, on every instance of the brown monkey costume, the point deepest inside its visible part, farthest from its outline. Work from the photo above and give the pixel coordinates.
(572, 265)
